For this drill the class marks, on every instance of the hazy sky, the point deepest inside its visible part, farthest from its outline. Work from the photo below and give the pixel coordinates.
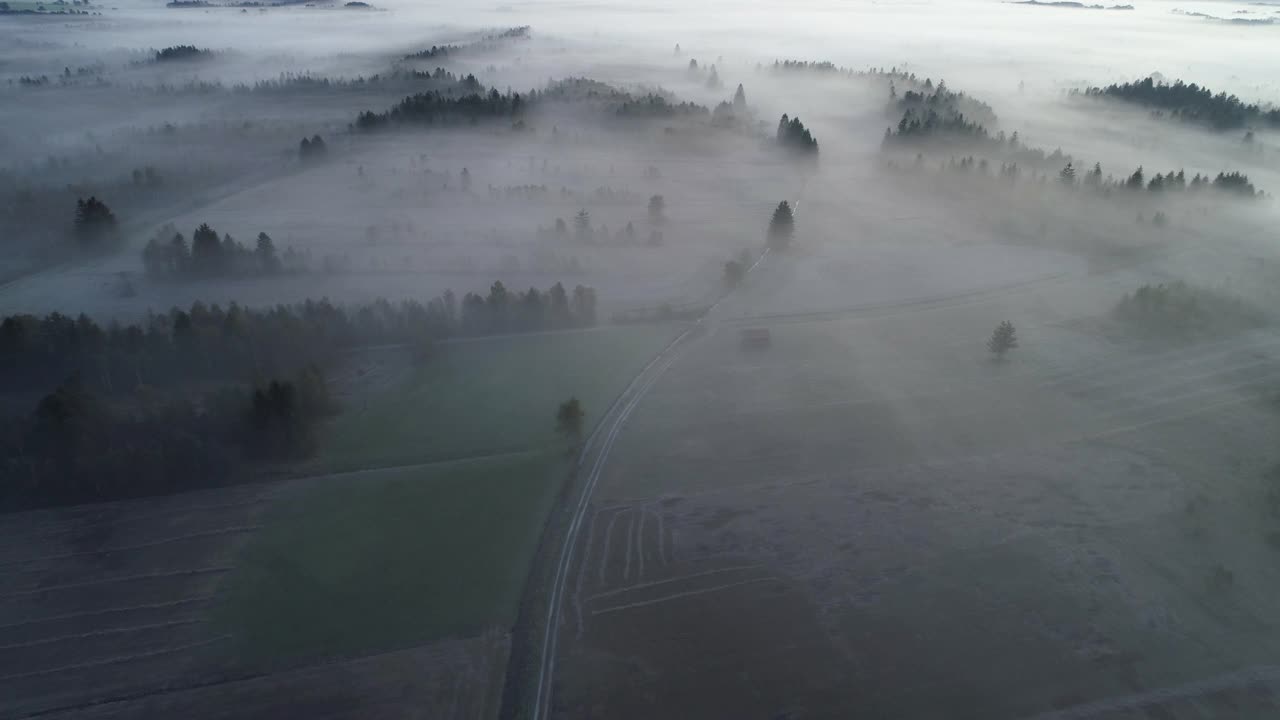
(976, 43)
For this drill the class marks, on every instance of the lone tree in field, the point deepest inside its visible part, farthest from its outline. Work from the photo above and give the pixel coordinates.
(782, 226)
(657, 210)
(569, 419)
(1003, 339)
(582, 226)
(265, 252)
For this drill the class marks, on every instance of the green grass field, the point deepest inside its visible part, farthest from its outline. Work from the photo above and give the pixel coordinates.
(391, 558)
(392, 554)
(490, 396)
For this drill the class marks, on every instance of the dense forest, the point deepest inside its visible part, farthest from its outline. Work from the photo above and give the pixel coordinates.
(285, 84)
(948, 128)
(936, 116)
(468, 102)
(434, 52)
(942, 101)
(1179, 310)
(162, 406)
(1191, 103)
(182, 52)
(936, 120)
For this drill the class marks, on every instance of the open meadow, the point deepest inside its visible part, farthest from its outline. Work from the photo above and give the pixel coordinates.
(413, 552)
(872, 513)
(546, 361)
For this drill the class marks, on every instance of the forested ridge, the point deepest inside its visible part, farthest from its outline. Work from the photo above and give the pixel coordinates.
(1192, 103)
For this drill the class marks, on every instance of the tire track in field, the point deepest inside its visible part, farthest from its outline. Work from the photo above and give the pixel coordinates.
(116, 660)
(630, 398)
(638, 387)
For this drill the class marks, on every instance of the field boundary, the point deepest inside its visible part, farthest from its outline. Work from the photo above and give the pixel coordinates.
(539, 610)
(534, 616)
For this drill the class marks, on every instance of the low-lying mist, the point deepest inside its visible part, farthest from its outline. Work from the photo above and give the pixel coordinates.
(883, 316)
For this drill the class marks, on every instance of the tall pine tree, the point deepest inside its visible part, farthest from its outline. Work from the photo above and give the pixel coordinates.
(782, 226)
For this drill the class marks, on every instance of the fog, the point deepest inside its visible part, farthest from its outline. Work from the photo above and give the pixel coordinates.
(787, 337)
(1019, 59)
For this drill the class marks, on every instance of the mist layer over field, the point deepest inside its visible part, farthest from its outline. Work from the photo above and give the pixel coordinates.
(670, 359)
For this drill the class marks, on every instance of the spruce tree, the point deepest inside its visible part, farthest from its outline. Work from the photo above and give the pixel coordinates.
(1003, 339)
(782, 226)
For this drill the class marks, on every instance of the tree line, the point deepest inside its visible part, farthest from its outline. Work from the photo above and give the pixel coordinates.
(1191, 103)
(1232, 183)
(951, 128)
(937, 115)
(469, 102)
(942, 100)
(131, 413)
(1179, 310)
(182, 52)
(490, 41)
(76, 447)
(286, 84)
(656, 106)
(212, 343)
(167, 255)
(825, 67)
(433, 52)
(928, 122)
(617, 102)
(436, 107)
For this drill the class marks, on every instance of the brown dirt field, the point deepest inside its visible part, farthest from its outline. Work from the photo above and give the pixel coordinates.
(870, 519)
